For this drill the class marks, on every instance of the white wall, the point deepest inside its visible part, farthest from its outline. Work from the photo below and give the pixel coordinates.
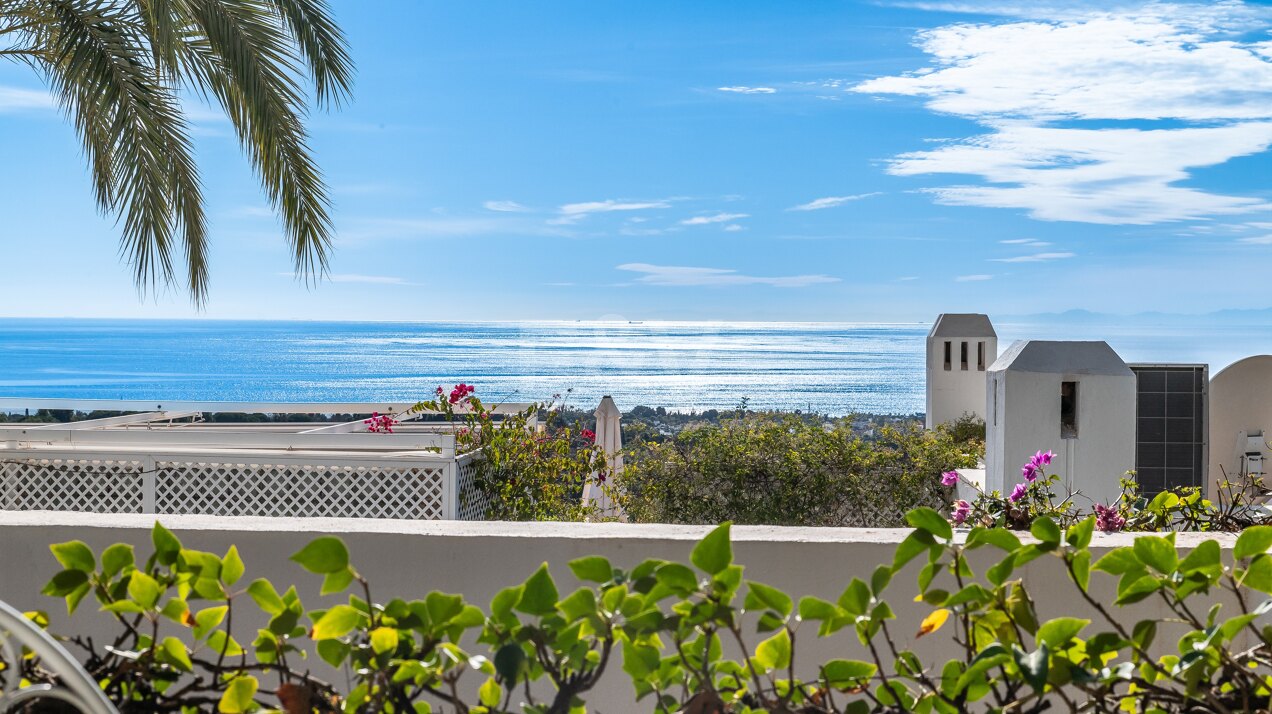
(1240, 401)
(952, 394)
(1028, 421)
(409, 558)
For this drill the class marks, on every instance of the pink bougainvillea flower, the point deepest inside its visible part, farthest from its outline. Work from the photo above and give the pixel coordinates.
(949, 478)
(1108, 519)
(962, 509)
(1029, 471)
(1018, 492)
(588, 435)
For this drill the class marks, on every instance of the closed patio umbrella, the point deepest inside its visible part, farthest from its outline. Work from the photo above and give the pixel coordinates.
(609, 437)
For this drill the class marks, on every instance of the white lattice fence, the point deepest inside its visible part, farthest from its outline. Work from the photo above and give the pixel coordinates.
(66, 484)
(224, 489)
(472, 502)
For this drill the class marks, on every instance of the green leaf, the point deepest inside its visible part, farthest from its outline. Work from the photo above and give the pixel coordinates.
(847, 673)
(1252, 541)
(775, 652)
(539, 594)
(116, 558)
(262, 591)
(1046, 530)
(231, 566)
(1082, 569)
(927, 519)
(1259, 574)
(333, 652)
(917, 542)
(177, 654)
(811, 608)
(713, 553)
(1058, 632)
(855, 598)
(65, 582)
(207, 619)
(384, 639)
(592, 569)
(879, 579)
(336, 582)
(761, 595)
(1206, 558)
(681, 579)
(323, 555)
(998, 537)
(75, 555)
(490, 693)
(167, 547)
(1118, 561)
(336, 622)
(1079, 534)
(578, 605)
(508, 662)
(238, 695)
(1157, 553)
(144, 589)
(1033, 666)
(639, 661)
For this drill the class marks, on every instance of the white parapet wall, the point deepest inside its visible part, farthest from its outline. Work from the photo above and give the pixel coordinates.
(410, 558)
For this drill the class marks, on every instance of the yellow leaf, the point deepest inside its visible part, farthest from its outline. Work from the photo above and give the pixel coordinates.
(933, 622)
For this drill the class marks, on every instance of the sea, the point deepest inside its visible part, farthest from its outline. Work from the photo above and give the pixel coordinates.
(831, 368)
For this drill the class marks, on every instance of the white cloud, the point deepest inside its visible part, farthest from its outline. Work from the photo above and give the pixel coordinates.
(575, 212)
(16, 99)
(1256, 240)
(830, 202)
(683, 276)
(1035, 258)
(733, 228)
(1154, 61)
(907, 278)
(713, 218)
(1027, 242)
(973, 278)
(504, 207)
(748, 90)
(362, 229)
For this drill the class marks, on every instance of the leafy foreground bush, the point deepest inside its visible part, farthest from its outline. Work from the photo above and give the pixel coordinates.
(679, 629)
(785, 470)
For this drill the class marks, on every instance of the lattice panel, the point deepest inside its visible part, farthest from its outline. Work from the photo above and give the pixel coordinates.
(887, 502)
(472, 502)
(71, 485)
(300, 490)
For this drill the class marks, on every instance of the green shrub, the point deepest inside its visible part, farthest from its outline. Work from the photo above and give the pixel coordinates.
(786, 470)
(687, 633)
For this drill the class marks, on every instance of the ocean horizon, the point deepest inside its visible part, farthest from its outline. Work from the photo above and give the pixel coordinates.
(832, 367)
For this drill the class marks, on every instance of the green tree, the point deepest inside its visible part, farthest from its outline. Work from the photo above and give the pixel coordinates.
(118, 69)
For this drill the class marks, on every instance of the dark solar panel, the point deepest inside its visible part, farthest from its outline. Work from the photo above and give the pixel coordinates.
(1170, 426)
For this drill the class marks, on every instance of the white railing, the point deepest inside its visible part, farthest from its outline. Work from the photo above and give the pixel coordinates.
(169, 462)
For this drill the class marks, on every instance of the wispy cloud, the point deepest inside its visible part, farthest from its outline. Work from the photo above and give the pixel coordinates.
(504, 207)
(1035, 258)
(431, 227)
(748, 90)
(1026, 242)
(713, 218)
(1256, 240)
(980, 277)
(575, 212)
(830, 202)
(18, 99)
(683, 276)
(1087, 65)
(734, 228)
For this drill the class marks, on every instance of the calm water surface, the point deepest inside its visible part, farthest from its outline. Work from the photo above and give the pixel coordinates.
(835, 368)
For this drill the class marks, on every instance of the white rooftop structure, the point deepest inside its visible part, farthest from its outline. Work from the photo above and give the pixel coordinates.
(1240, 422)
(1076, 399)
(960, 347)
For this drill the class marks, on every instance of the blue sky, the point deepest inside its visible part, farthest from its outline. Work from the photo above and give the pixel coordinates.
(722, 160)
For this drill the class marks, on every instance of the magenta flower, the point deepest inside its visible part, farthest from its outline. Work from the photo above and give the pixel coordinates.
(949, 478)
(962, 509)
(1018, 492)
(1108, 519)
(1044, 459)
(1029, 471)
